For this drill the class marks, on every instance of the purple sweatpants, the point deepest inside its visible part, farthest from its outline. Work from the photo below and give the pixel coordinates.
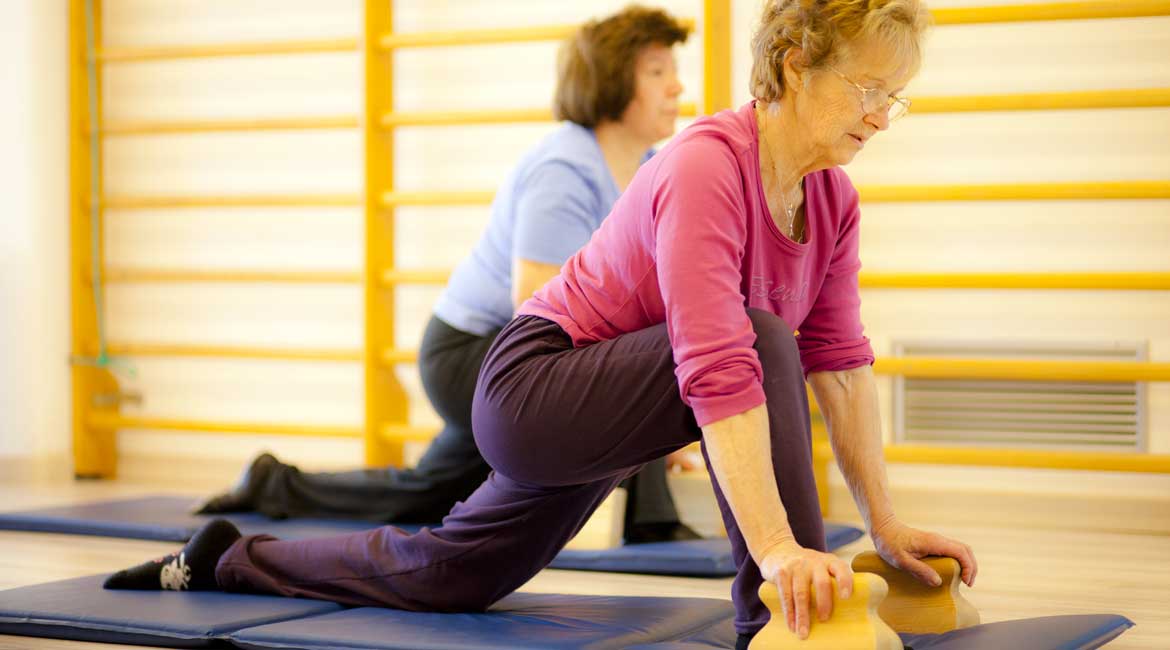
(561, 427)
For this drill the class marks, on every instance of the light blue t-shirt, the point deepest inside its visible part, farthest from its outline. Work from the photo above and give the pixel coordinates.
(546, 209)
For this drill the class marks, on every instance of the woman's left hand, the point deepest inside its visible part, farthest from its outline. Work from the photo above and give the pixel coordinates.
(904, 547)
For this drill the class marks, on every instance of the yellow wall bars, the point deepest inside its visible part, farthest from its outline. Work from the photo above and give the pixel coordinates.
(95, 392)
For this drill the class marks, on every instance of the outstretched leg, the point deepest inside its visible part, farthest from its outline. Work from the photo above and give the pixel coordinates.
(488, 546)
(450, 470)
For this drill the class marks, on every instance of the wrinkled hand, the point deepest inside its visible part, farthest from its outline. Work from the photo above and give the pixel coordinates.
(904, 547)
(798, 572)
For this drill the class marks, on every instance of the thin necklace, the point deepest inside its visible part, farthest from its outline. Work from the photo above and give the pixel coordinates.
(788, 211)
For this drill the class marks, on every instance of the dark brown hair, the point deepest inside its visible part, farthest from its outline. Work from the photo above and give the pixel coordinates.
(595, 68)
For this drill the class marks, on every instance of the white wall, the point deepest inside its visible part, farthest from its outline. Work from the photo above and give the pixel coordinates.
(34, 241)
(1030, 146)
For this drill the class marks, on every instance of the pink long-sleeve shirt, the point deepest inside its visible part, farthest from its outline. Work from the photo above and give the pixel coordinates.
(691, 243)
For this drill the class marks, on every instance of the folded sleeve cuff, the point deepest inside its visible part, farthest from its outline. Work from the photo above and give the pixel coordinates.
(715, 408)
(837, 356)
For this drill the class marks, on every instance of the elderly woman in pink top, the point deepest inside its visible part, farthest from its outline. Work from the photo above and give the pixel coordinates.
(676, 323)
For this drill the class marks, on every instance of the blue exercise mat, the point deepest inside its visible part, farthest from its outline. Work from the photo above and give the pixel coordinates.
(81, 610)
(717, 637)
(161, 518)
(700, 558)
(168, 518)
(1082, 632)
(528, 621)
(518, 622)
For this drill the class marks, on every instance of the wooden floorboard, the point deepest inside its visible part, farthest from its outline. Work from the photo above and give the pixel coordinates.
(1023, 572)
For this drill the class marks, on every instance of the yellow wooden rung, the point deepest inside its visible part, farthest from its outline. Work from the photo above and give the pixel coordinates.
(393, 40)
(487, 116)
(195, 276)
(1032, 370)
(231, 352)
(1097, 461)
(406, 433)
(869, 280)
(391, 199)
(101, 420)
(1151, 281)
(391, 277)
(451, 118)
(484, 36)
(1052, 11)
(1103, 190)
(239, 201)
(1039, 459)
(1087, 191)
(124, 54)
(392, 356)
(1056, 101)
(228, 125)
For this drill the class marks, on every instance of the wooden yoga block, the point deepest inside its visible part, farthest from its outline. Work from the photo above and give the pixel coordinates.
(917, 608)
(854, 624)
(885, 601)
(605, 527)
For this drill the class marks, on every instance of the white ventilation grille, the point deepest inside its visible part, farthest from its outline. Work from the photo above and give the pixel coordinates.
(1026, 414)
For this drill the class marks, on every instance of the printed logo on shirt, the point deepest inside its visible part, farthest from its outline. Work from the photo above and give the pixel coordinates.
(780, 292)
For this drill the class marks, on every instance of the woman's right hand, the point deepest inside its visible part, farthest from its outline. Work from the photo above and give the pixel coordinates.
(797, 572)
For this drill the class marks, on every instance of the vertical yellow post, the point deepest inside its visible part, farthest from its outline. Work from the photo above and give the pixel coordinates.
(716, 55)
(385, 399)
(94, 451)
(822, 458)
(821, 476)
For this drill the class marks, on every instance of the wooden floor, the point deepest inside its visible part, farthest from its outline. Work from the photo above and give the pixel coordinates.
(1023, 572)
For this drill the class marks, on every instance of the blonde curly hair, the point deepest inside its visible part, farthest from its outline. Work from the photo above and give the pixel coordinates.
(820, 27)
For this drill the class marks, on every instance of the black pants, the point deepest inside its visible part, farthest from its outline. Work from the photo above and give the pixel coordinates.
(452, 467)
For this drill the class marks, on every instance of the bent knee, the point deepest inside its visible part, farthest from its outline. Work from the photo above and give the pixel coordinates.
(514, 449)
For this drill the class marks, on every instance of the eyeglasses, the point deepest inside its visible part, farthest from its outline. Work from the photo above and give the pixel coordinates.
(874, 99)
